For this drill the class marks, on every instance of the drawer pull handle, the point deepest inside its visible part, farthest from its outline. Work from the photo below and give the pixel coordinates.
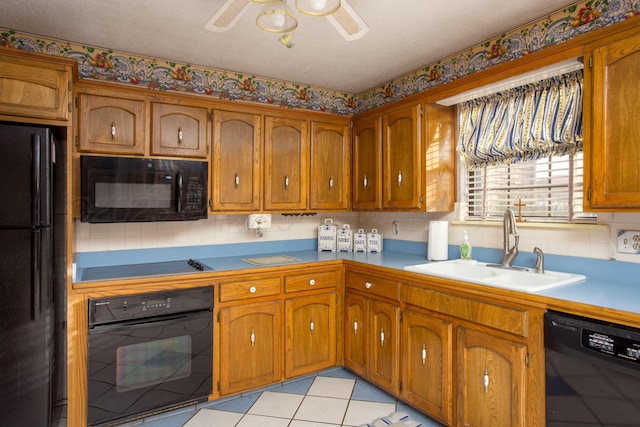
(113, 130)
(331, 183)
(237, 180)
(180, 135)
(286, 182)
(253, 337)
(355, 326)
(312, 282)
(423, 354)
(368, 285)
(381, 337)
(365, 182)
(252, 289)
(312, 326)
(485, 379)
(399, 178)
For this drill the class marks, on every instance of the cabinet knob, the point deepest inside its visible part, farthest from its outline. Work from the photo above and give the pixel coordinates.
(286, 182)
(381, 337)
(252, 289)
(485, 380)
(312, 326)
(355, 326)
(423, 354)
(312, 282)
(399, 178)
(237, 180)
(253, 337)
(368, 285)
(113, 130)
(331, 183)
(180, 135)
(365, 182)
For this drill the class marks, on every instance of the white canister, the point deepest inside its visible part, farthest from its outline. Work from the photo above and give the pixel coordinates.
(327, 236)
(345, 239)
(360, 241)
(374, 241)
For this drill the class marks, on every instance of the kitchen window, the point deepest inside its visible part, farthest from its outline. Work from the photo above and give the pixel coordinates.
(522, 148)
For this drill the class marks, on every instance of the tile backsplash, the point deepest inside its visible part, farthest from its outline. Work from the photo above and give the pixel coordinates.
(581, 241)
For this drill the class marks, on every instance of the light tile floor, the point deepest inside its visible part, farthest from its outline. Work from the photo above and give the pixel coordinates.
(332, 398)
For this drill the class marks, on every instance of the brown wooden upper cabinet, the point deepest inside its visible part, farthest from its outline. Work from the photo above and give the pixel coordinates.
(403, 161)
(611, 117)
(179, 130)
(286, 183)
(111, 125)
(35, 86)
(236, 166)
(330, 173)
(440, 167)
(367, 164)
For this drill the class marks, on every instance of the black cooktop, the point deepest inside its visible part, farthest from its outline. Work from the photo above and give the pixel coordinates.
(146, 269)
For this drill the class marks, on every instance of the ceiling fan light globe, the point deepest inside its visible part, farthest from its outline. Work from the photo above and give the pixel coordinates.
(276, 19)
(318, 7)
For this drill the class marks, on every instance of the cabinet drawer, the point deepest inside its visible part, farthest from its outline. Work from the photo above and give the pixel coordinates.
(373, 285)
(230, 291)
(309, 282)
(508, 319)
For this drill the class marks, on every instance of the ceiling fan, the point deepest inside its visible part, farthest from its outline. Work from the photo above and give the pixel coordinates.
(277, 17)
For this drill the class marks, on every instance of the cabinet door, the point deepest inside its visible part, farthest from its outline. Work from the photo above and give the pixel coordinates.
(111, 125)
(236, 167)
(384, 344)
(179, 130)
(403, 159)
(491, 380)
(286, 184)
(311, 334)
(250, 343)
(356, 334)
(440, 170)
(367, 164)
(612, 137)
(330, 166)
(427, 364)
(34, 88)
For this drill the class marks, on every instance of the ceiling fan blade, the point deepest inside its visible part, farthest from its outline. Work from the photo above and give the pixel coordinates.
(348, 23)
(227, 15)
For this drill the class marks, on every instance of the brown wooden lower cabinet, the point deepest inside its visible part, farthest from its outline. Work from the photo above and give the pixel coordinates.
(427, 364)
(310, 334)
(491, 380)
(250, 343)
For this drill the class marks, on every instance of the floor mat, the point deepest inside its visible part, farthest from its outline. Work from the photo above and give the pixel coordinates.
(395, 419)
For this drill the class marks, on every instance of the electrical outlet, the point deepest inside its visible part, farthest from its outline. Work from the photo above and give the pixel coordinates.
(629, 242)
(255, 221)
(396, 227)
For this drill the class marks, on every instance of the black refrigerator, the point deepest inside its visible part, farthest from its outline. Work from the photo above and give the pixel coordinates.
(27, 155)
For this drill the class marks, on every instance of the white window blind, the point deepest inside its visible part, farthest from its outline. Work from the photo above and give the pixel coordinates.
(550, 190)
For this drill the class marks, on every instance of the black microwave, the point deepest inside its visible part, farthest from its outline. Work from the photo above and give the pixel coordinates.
(123, 189)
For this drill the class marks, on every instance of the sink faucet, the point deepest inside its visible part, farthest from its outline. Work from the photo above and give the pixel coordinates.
(509, 228)
(539, 260)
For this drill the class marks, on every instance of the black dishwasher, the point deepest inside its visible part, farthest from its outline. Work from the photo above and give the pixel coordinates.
(592, 372)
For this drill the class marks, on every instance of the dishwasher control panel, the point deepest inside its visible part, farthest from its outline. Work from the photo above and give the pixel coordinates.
(613, 345)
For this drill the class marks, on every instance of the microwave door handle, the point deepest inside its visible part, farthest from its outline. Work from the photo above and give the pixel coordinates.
(179, 193)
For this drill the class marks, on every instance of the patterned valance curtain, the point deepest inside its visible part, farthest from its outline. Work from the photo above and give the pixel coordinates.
(524, 123)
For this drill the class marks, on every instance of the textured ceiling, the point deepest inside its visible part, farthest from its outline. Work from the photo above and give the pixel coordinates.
(404, 35)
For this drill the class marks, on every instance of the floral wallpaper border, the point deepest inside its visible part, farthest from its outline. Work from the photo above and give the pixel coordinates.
(165, 75)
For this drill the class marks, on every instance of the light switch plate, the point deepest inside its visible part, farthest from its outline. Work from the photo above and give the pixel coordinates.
(629, 242)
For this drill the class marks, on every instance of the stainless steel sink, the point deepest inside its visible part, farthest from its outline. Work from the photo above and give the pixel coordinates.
(484, 274)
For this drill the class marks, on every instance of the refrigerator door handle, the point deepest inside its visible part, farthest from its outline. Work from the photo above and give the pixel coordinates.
(35, 179)
(36, 283)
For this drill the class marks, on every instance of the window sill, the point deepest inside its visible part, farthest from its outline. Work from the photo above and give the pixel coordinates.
(525, 224)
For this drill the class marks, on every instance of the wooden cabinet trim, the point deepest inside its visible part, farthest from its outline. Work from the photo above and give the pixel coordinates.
(504, 318)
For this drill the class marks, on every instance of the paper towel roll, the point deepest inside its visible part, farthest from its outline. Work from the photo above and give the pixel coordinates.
(438, 245)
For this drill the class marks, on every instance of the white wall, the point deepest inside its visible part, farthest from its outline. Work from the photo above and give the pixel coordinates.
(582, 241)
